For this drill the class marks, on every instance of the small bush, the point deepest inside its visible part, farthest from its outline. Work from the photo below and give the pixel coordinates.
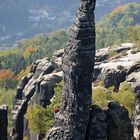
(101, 97)
(124, 96)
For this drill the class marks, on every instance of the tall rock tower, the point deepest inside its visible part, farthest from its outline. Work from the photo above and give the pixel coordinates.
(78, 64)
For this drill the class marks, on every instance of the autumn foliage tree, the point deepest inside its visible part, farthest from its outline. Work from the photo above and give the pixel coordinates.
(7, 79)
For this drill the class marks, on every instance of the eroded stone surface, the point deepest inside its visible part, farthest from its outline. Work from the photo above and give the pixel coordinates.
(36, 87)
(97, 129)
(134, 80)
(78, 64)
(119, 125)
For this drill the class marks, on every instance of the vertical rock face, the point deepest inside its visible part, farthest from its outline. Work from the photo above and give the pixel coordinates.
(134, 80)
(77, 65)
(3, 122)
(137, 117)
(37, 87)
(20, 108)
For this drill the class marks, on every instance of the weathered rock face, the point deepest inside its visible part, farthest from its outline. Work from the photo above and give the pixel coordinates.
(117, 66)
(137, 117)
(112, 123)
(134, 80)
(36, 87)
(114, 78)
(78, 64)
(97, 129)
(3, 122)
(20, 108)
(77, 119)
(119, 125)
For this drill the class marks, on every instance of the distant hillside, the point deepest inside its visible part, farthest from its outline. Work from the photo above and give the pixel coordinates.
(23, 19)
(113, 28)
(28, 51)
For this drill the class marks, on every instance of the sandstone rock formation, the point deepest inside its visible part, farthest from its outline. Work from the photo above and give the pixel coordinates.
(3, 122)
(112, 123)
(118, 122)
(78, 119)
(36, 87)
(118, 64)
(78, 65)
(134, 80)
(97, 128)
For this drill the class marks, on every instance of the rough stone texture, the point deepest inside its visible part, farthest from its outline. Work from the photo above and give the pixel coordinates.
(136, 118)
(117, 66)
(134, 80)
(119, 125)
(134, 68)
(114, 78)
(78, 64)
(77, 119)
(3, 122)
(18, 112)
(46, 86)
(97, 129)
(112, 123)
(36, 87)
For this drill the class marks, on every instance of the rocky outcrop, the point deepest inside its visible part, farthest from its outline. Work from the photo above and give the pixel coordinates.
(78, 64)
(3, 122)
(18, 112)
(97, 129)
(114, 78)
(119, 125)
(112, 123)
(120, 63)
(77, 119)
(37, 87)
(134, 80)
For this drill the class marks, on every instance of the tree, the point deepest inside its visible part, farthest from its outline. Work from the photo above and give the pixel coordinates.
(7, 79)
